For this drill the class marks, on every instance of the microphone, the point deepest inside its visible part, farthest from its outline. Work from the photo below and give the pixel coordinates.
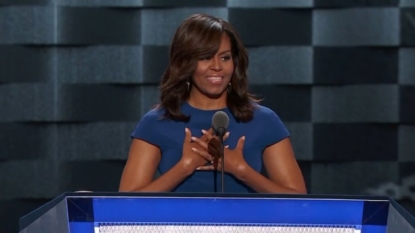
(220, 122)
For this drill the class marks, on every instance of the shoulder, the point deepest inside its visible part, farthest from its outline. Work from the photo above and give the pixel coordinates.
(154, 115)
(274, 130)
(149, 126)
(264, 113)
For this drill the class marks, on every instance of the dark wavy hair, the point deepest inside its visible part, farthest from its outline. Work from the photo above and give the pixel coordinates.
(200, 36)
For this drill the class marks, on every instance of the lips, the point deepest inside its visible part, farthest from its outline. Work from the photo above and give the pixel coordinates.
(215, 79)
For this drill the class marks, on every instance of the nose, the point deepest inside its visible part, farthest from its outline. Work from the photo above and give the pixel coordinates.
(215, 64)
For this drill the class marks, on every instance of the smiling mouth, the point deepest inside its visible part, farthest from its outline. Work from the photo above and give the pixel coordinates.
(215, 79)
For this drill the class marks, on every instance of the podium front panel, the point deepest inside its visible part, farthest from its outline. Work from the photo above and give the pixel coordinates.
(192, 212)
(225, 214)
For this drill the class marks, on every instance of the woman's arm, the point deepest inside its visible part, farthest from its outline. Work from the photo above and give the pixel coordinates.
(143, 160)
(139, 171)
(284, 174)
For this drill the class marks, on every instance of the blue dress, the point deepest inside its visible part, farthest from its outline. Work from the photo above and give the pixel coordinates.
(263, 130)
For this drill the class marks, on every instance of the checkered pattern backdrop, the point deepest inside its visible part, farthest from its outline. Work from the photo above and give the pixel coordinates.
(77, 75)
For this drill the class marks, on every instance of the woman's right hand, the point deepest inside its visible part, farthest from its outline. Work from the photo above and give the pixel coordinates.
(190, 159)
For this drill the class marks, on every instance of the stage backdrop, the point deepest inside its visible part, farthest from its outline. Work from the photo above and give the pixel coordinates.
(77, 75)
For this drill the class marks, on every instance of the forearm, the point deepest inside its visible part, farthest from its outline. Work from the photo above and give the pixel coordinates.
(262, 184)
(168, 181)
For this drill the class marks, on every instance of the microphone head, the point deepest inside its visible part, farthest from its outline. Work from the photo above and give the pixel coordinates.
(220, 122)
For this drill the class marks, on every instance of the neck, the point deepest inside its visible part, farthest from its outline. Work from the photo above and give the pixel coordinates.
(200, 101)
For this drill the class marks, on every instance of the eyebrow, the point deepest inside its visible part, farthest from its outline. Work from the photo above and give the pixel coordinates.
(226, 51)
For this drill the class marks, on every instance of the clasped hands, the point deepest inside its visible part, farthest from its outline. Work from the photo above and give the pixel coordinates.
(197, 152)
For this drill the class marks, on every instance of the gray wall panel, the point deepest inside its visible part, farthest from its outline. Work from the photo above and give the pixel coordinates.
(302, 140)
(25, 2)
(406, 66)
(100, 64)
(376, 103)
(407, 26)
(355, 65)
(27, 25)
(36, 179)
(355, 3)
(98, 103)
(291, 103)
(355, 142)
(351, 178)
(99, 3)
(159, 25)
(184, 3)
(406, 143)
(407, 103)
(28, 102)
(73, 175)
(269, 3)
(357, 26)
(94, 141)
(37, 64)
(285, 65)
(149, 98)
(263, 26)
(155, 62)
(25, 141)
(406, 3)
(86, 25)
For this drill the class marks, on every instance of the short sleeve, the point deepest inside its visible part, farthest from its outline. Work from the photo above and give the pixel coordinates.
(147, 128)
(275, 128)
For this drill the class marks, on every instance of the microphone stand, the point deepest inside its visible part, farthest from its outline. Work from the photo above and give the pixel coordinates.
(222, 153)
(220, 133)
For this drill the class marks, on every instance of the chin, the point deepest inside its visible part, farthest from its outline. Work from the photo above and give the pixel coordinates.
(214, 95)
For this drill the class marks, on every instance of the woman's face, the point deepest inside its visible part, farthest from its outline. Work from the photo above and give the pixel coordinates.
(213, 75)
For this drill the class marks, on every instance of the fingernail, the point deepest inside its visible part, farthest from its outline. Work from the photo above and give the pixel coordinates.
(194, 149)
(193, 138)
(227, 134)
(186, 130)
(203, 131)
(243, 137)
(198, 168)
(227, 146)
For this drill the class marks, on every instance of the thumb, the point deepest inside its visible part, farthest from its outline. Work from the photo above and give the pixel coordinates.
(241, 143)
(188, 135)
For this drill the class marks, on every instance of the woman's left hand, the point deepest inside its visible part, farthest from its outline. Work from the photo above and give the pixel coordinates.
(234, 162)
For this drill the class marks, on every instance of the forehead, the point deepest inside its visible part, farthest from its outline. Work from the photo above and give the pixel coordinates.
(225, 43)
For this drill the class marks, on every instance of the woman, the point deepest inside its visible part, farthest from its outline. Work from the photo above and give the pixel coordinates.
(207, 73)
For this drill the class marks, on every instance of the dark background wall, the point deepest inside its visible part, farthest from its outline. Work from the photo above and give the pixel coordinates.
(77, 75)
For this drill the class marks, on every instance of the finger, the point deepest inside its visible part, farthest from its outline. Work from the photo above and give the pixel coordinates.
(226, 136)
(200, 142)
(203, 154)
(205, 168)
(211, 167)
(188, 135)
(241, 143)
(207, 134)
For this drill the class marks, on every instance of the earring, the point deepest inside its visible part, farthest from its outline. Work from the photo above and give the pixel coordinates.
(229, 88)
(188, 86)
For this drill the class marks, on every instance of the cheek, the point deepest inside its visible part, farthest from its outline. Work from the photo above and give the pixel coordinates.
(230, 69)
(200, 70)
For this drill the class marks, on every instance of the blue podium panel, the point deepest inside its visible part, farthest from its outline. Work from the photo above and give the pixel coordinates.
(167, 212)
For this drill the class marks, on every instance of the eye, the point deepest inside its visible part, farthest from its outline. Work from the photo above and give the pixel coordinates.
(227, 57)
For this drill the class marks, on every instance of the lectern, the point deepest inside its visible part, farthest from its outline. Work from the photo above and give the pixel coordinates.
(198, 212)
